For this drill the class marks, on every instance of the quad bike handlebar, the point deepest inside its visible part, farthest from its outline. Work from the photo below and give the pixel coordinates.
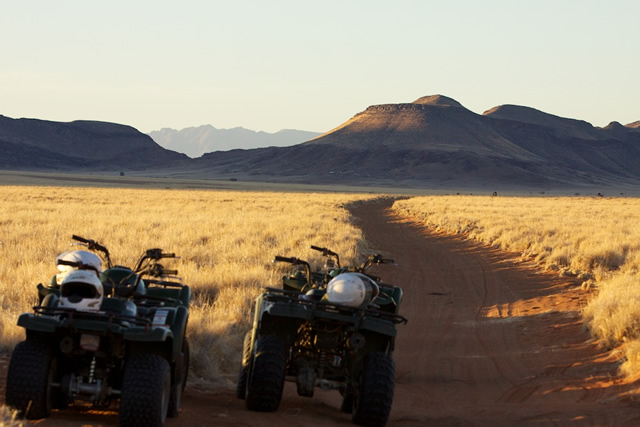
(154, 255)
(328, 253)
(79, 265)
(157, 253)
(152, 271)
(371, 260)
(290, 260)
(158, 270)
(296, 261)
(376, 259)
(94, 246)
(148, 265)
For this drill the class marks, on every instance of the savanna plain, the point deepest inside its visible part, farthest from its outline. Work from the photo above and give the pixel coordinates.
(227, 241)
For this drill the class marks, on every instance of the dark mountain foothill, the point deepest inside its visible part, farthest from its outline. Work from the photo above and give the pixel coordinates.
(31, 144)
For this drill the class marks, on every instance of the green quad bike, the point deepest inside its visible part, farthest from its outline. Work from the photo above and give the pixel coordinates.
(119, 337)
(333, 329)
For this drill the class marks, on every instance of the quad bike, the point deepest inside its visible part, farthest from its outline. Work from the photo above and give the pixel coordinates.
(117, 337)
(334, 329)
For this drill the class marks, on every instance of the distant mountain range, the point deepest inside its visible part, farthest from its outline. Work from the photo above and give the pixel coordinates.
(433, 142)
(196, 141)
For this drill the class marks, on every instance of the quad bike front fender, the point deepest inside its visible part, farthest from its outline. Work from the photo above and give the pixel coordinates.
(37, 323)
(156, 334)
(179, 328)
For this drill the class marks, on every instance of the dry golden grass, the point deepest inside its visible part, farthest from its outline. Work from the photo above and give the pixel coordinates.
(594, 239)
(226, 241)
(8, 417)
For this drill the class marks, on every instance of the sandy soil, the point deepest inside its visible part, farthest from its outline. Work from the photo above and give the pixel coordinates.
(491, 340)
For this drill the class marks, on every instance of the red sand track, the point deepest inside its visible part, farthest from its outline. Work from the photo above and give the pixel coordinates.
(490, 341)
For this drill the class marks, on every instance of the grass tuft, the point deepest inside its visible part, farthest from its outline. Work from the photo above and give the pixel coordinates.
(9, 418)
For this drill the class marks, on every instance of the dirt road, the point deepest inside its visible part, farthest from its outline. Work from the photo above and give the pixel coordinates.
(490, 341)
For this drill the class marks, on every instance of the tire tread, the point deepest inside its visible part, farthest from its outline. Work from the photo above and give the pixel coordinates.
(142, 390)
(27, 379)
(374, 399)
(266, 375)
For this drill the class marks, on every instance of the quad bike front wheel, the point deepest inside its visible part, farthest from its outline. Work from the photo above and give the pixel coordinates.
(241, 387)
(266, 376)
(374, 395)
(347, 403)
(32, 372)
(146, 389)
(177, 389)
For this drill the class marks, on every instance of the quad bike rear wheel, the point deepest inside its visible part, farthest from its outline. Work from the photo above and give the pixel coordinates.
(266, 376)
(146, 387)
(32, 372)
(374, 395)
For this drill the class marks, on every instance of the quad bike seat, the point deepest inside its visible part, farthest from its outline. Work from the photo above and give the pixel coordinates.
(119, 306)
(313, 295)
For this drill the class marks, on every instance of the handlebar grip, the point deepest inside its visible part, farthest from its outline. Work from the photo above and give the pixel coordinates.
(92, 244)
(285, 259)
(324, 251)
(80, 239)
(168, 255)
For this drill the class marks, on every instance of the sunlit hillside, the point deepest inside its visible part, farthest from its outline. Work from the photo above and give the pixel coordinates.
(226, 241)
(596, 240)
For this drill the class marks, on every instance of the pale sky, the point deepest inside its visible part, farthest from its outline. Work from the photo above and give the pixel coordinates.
(312, 65)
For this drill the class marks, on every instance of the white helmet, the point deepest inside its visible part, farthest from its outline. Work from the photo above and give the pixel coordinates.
(352, 289)
(87, 259)
(81, 290)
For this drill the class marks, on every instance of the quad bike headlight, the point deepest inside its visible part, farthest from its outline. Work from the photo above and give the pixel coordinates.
(89, 342)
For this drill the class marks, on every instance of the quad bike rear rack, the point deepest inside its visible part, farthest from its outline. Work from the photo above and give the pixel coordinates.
(288, 303)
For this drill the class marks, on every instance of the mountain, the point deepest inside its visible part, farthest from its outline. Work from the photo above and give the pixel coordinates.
(432, 142)
(45, 145)
(196, 141)
(437, 141)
